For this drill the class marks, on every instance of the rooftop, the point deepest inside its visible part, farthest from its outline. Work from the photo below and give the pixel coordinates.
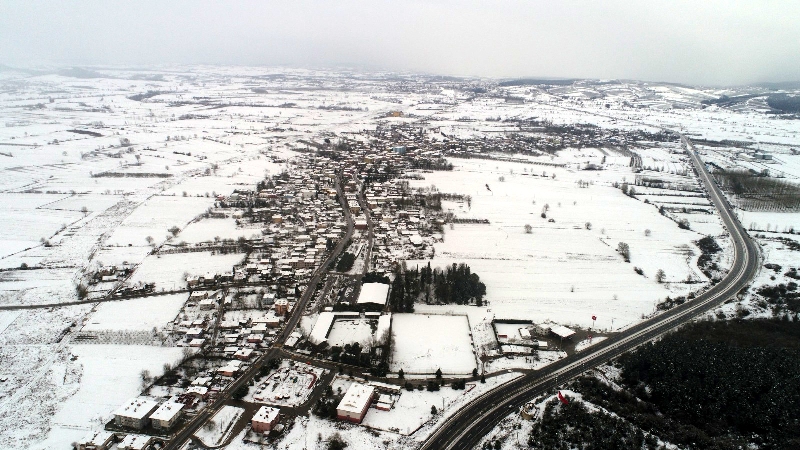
(136, 408)
(356, 398)
(167, 411)
(373, 293)
(266, 414)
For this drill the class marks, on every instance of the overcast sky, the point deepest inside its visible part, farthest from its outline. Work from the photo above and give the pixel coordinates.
(697, 41)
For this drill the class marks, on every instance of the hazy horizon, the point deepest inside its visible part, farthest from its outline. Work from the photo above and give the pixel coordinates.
(711, 43)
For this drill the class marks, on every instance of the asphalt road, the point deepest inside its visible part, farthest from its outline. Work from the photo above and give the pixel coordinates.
(465, 428)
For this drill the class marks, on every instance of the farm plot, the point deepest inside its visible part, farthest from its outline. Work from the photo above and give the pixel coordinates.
(155, 217)
(210, 230)
(567, 268)
(167, 271)
(425, 343)
(139, 314)
(114, 371)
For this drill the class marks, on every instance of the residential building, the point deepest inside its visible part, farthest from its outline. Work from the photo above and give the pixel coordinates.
(265, 419)
(135, 413)
(166, 415)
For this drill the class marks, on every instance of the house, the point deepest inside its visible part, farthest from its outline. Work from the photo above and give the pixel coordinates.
(243, 354)
(200, 392)
(281, 306)
(194, 333)
(135, 413)
(265, 419)
(136, 442)
(96, 440)
(355, 403)
(166, 415)
(206, 304)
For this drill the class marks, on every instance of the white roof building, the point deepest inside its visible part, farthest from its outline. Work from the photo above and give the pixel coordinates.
(135, 442)
(355, 403)
(136, 408)
(373, 293)
(167, 412)
(561, 331)
(266, 414)
(322, 327)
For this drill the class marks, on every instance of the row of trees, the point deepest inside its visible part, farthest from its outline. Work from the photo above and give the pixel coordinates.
(758, 191)
(455, 284)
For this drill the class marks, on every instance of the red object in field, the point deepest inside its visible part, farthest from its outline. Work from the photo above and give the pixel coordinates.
(594, 317)
(562, 399)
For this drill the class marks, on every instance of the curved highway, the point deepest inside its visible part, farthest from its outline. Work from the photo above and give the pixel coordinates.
(465, 428)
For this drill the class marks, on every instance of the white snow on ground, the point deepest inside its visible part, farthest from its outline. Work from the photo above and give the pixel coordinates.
(413, 408)
(136, 314)
(207, 230)
(111, 375)
(586, 343)
(223, 422)
(167, 271)
(751, 305)
(542, 359)
(780, 222)
(156, 217)
(425, 343)
(346, 331)
(562, 271)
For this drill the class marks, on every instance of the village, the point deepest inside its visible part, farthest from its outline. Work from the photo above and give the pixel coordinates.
(343, 216)
(215, 263)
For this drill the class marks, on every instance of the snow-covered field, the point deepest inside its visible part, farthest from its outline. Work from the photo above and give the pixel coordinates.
(562, 271)
(139, 314)
(221, 428)
(111, 374)
(426, 342)
(168, 271)
(152, 163)
(346, 331)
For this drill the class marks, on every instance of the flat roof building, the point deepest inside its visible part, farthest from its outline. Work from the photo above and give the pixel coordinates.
(96, 440)
(355, 403)
(166, 415)
(135, 413)
(373, 293)
(265, 419)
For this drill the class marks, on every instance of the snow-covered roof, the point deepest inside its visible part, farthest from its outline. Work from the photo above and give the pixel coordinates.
(357, 397)
(373, 293)
(136, 408)
(384, 324)
(97, 437)
(135, 442)
(321, 328)
(167, 411)
(266, 414)
(561, 331)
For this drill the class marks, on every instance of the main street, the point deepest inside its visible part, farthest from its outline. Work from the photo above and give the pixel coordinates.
(465, 428)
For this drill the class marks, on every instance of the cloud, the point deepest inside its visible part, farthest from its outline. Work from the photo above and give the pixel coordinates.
(708, 42)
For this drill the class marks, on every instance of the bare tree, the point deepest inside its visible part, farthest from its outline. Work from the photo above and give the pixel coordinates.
(624, 250)
(528, 228)
(660, 275)
(588, 225)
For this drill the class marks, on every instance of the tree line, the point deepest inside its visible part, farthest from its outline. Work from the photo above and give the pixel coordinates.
(453, 284)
